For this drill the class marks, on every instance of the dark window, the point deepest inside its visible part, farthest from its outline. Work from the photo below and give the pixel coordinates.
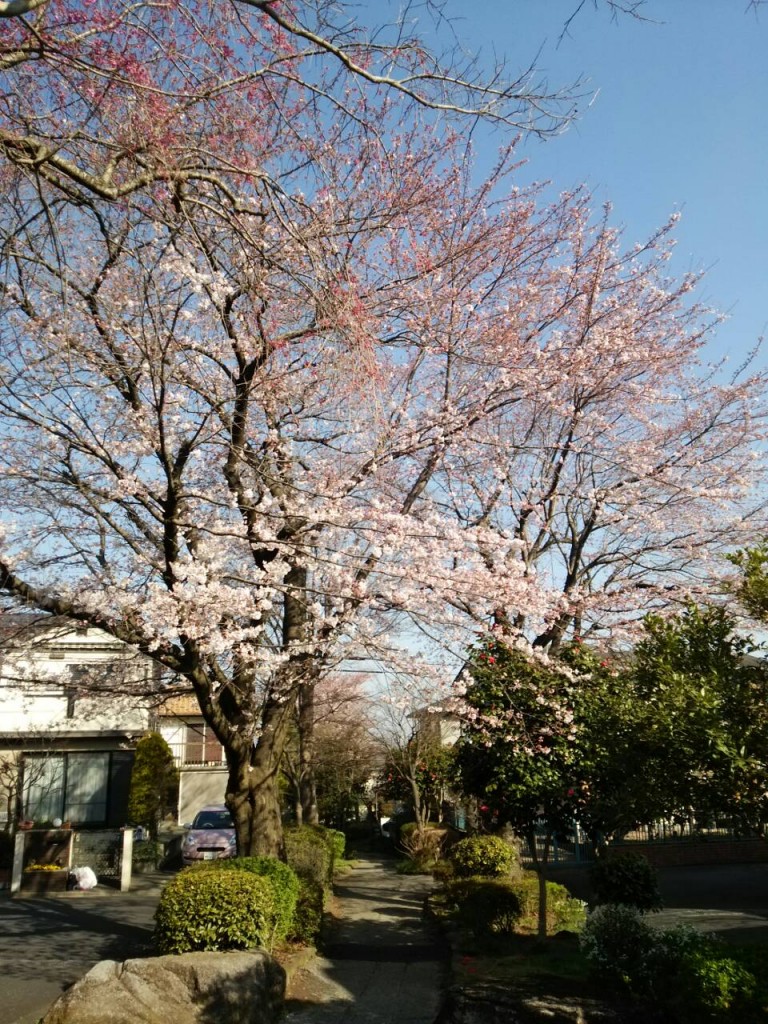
(70, 692)
(86, 788)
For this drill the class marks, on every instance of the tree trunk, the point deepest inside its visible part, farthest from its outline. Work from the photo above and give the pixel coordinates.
(310, 814)
(253, 796)
(540, 867)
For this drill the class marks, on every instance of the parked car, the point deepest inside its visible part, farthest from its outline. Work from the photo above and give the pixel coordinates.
(210, 836)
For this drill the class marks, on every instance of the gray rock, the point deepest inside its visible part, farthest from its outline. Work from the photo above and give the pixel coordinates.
(192, 988)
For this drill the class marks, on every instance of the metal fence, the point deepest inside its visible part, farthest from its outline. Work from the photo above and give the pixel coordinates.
(186, 757)
(576, 848)
(101, 851)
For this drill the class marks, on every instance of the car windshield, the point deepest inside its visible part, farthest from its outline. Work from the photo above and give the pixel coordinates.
(213, 819)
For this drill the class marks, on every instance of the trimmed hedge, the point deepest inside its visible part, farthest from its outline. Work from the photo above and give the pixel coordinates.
(489, 907)
(310, 855)
(565, 913)
(496, 906)
(483, 856)
(281, 877)
(214, 910)
(335, 841)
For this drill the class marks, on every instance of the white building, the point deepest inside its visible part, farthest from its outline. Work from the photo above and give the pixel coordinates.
(73, 703)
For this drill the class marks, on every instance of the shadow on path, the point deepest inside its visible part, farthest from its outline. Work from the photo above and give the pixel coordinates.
(380, 963)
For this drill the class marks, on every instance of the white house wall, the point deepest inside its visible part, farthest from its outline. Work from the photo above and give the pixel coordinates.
(200, 788)
(33, 678)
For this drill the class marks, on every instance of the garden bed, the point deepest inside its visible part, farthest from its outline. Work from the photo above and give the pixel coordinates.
(43, 883)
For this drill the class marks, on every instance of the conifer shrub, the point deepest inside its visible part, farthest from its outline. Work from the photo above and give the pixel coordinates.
(214, 910)
(154, 788)
(486, 856)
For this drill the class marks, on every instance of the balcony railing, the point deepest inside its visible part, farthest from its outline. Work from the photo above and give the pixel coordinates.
(193, 757)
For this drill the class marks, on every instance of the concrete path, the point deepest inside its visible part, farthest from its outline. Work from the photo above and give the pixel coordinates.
(379, 965)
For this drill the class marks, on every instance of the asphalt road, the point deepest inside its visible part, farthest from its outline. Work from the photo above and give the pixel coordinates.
(47, 943)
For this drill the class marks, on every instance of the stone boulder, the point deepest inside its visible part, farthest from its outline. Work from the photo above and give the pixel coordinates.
(191, 988)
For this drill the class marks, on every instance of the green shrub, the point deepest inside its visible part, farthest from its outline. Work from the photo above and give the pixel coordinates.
(692, 977)
(443, 871)
(335, 840)
(485, 856)
(626, 878)
(154, 786)
(146, 855)
(615, 940)
(489, 908)
(712, 986)
(282, 878)
(564, 912)
(496, 906)
(309, 854)
(656, 975)
(308, 918)
(214, 910)
(413, 867)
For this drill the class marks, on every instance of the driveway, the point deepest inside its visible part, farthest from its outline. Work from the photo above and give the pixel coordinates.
(46, 943)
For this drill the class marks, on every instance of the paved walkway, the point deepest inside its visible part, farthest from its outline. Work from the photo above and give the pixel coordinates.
(379, 963)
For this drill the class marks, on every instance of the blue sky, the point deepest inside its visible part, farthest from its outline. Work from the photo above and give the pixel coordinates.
(679, 123)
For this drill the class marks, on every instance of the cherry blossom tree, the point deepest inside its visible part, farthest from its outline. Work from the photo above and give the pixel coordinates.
(223, 431)
(624, 485)
(108, 98)
(239, 425)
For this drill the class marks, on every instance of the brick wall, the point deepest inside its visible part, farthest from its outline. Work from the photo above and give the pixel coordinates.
(688, 852)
